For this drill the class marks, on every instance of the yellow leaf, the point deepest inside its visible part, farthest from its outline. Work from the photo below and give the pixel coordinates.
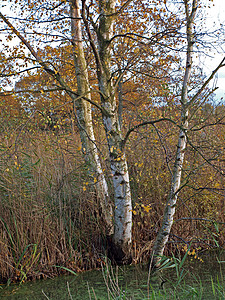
(147, 208)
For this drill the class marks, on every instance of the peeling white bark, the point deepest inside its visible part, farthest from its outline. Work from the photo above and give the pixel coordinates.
(122, 194)
(163, 234)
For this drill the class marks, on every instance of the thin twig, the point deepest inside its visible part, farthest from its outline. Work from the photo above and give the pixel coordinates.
(149, 273)
(94, 293)
(89, 293)
(45, 294)
(68, 287)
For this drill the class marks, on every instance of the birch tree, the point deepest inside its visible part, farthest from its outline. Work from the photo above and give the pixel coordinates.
(186, 102)
(121, 243)
(84, 115)
(99, 19)
(111, 114)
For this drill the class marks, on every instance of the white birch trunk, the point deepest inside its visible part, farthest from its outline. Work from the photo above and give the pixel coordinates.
(163, 234)
(84, 115)
(120, 100)
(121, 244)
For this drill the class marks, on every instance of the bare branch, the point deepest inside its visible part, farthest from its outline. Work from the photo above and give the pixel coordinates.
(207, 81)
(8, 93)
(19, 72)
(144, 124)
(95, 51)
(197, 219)
(53, 73)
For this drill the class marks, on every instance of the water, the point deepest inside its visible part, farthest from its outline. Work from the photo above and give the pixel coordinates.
(204, 280)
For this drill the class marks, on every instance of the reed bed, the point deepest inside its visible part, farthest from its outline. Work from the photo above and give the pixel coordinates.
(50, 223)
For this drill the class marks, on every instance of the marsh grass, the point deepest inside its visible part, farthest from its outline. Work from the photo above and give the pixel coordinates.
(50, 215)
(173, 280)
(178, 283)
(46, 219)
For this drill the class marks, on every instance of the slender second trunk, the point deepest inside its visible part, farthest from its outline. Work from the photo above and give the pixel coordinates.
(163, 234)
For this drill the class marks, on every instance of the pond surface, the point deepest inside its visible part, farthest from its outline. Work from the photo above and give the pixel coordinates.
(203, 280)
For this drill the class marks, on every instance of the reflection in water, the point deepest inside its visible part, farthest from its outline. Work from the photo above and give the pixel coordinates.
(132, 281)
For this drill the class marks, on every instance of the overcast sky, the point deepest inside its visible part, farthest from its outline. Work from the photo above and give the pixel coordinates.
(215, 17)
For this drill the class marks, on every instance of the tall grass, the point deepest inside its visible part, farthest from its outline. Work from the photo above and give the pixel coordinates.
(173, 280)
(46, 218)
(50, 215)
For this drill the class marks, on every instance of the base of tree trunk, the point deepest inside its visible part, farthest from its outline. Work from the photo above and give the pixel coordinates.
(119, 255)
(154, 264)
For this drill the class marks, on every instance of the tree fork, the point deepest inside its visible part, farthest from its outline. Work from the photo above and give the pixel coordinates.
(120, 244)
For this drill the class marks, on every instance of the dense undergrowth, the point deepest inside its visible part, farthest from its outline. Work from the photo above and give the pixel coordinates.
(50, 218)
